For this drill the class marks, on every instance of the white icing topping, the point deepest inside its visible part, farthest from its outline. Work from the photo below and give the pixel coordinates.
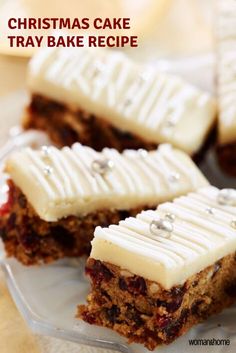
(155, 106)
(198, 239)
(227, 70)
(59, 183)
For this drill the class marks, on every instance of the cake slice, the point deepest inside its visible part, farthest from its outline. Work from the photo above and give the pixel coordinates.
(227, 84)
(58, 197)
(102, 99)
(155, 276)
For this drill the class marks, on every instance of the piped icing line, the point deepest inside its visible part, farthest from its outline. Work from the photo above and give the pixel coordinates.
(157, 107)
(198, 239)
(140, 229)
(61, 183)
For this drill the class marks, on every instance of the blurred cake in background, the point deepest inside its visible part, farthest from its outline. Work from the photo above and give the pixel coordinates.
(102, 99)
(226, 46)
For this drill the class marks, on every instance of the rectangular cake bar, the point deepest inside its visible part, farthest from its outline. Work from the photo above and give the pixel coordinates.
(57, 197)
(155, 276)
(102, 99)
(226, 45)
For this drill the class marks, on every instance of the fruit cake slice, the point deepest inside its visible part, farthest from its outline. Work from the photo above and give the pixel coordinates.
(155, 276)
(58, 197)
(227, 84)
(103, 99)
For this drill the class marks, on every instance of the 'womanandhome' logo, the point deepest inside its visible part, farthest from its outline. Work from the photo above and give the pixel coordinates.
(209, 342)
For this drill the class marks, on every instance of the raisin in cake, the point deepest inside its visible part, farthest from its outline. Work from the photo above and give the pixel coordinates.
(155, 276)
(102, 99)
(58, 197)
(227, 84)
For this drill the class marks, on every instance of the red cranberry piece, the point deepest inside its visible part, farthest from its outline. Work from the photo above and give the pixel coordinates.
(171, 306)
(89, 318)
(174, 305)
(162, 321)
(6, 207)
(173, 330)
(175, 301)
(137, 285)
(98, 273)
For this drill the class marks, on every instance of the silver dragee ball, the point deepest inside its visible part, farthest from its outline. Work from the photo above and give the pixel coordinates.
(142, 152)
(227, 197)
(102, 166)
(170, 217)
(174, 177)
(48, 170)
(45, 150)
(161, 227)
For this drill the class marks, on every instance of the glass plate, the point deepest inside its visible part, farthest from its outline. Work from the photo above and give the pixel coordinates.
(47, 297)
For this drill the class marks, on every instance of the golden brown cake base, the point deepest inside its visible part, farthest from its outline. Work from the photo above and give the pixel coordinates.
(144, 312)
(66, 126)
(227, 158)
(32, 240)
